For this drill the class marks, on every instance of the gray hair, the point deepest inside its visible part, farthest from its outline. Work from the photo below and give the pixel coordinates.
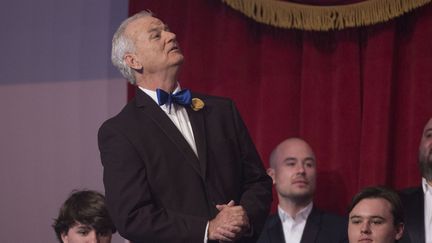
(122, 44)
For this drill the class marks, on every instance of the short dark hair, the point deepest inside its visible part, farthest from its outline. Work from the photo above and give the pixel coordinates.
(86, 207)
(385, 193)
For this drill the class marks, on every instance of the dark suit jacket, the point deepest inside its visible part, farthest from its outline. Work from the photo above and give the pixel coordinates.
(413, 203)
(320, 227)
(158, 190)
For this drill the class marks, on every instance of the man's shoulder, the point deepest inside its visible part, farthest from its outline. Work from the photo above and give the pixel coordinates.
(410, 191)
(272, 219)
(218, 100)
(333, 227)
(328, 217)
(123, 115)
(411, 196)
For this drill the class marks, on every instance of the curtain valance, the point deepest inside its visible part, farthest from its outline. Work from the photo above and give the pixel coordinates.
(291, 15)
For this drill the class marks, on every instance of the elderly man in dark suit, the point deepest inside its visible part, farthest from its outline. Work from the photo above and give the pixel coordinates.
(293, 170)
(417, 201)
(178, 166)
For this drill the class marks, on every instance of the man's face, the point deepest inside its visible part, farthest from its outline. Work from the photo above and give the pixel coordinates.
(156, 47)
(371, 220)
(425, 152)
(294, 171)
(81, 233)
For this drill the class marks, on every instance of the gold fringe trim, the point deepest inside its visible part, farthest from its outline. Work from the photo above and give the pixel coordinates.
(323, 18)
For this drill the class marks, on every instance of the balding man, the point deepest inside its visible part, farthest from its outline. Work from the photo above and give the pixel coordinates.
(293, 170)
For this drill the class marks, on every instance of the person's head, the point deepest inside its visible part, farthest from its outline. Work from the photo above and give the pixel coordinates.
(144, 43)
(375, 214)
(425, 152)
(293, 170)
(83, 217)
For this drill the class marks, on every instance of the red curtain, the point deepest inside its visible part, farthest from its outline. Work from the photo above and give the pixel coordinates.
(359, 96)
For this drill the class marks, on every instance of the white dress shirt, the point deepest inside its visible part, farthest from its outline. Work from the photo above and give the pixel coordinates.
(293, 226)
(427, 189)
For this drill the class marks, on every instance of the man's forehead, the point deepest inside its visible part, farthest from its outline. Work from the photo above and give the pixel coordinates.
(428, 125)
(146, 22)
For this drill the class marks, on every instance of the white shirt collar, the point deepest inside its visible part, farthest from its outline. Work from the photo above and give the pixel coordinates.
(153, 94)
(426, 187)
(302, 214)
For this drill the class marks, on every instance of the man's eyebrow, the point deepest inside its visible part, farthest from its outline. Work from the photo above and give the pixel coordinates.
(84, 227)
(290, 159)
(377, 217)
(370, 217)
(355, 216)
(158, 28)
(428, 130)
(154, 29)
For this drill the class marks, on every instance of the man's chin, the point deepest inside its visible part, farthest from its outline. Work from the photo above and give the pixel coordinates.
(304, 196)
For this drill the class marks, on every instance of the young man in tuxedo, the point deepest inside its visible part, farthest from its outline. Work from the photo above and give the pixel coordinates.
(298, 220)
(179, 167)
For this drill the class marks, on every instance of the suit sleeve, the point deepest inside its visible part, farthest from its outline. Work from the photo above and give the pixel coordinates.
(136, 214)
(257, 185)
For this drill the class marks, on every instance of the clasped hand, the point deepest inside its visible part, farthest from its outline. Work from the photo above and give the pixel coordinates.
(229, 224)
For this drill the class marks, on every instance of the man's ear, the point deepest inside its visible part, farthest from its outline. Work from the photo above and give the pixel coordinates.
(132, 61)
(64, 237)
(399, 231)
(271, 173)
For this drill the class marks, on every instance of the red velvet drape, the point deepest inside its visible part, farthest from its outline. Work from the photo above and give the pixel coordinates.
(359, 96)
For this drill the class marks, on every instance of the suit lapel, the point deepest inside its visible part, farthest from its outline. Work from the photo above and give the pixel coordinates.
(198, 126)
(312, 227)
(152, 110)
(275, 231)
(415, 217)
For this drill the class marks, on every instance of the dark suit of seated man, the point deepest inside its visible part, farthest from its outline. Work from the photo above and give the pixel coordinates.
(417, 201)
(179, 167)
(293, 170)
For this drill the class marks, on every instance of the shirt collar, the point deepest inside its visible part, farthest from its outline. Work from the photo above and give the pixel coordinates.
(426, 187)
(153, 95)
(302, 214)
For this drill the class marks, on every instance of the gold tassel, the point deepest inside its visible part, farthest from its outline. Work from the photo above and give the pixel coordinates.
(323, 18)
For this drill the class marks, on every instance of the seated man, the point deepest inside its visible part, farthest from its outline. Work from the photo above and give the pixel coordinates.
(83, 217)
(293, 170)
(375, 215)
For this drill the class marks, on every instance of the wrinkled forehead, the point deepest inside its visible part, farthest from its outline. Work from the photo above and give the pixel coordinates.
(143, 24)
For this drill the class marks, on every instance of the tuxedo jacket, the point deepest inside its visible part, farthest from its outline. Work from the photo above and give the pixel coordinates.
(413, 203)
(158, 190)
(320, 227)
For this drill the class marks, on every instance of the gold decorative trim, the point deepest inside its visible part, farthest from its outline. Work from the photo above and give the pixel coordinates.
(323, 18)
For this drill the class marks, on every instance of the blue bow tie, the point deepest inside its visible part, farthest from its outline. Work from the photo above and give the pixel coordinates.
(182, 97)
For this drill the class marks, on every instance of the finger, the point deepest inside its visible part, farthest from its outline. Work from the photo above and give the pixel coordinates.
(226, 233)
(220, 206)
(222, 238)
(232, 228)
(231, 203)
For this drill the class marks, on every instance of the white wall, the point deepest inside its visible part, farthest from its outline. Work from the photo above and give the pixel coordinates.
(56, 87)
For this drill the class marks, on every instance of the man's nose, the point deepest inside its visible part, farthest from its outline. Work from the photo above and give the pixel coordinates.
(301, 168)
(170, 36)
(365, 228)
(93, 237)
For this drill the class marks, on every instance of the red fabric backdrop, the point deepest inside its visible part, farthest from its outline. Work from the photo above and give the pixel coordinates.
(360, 96)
